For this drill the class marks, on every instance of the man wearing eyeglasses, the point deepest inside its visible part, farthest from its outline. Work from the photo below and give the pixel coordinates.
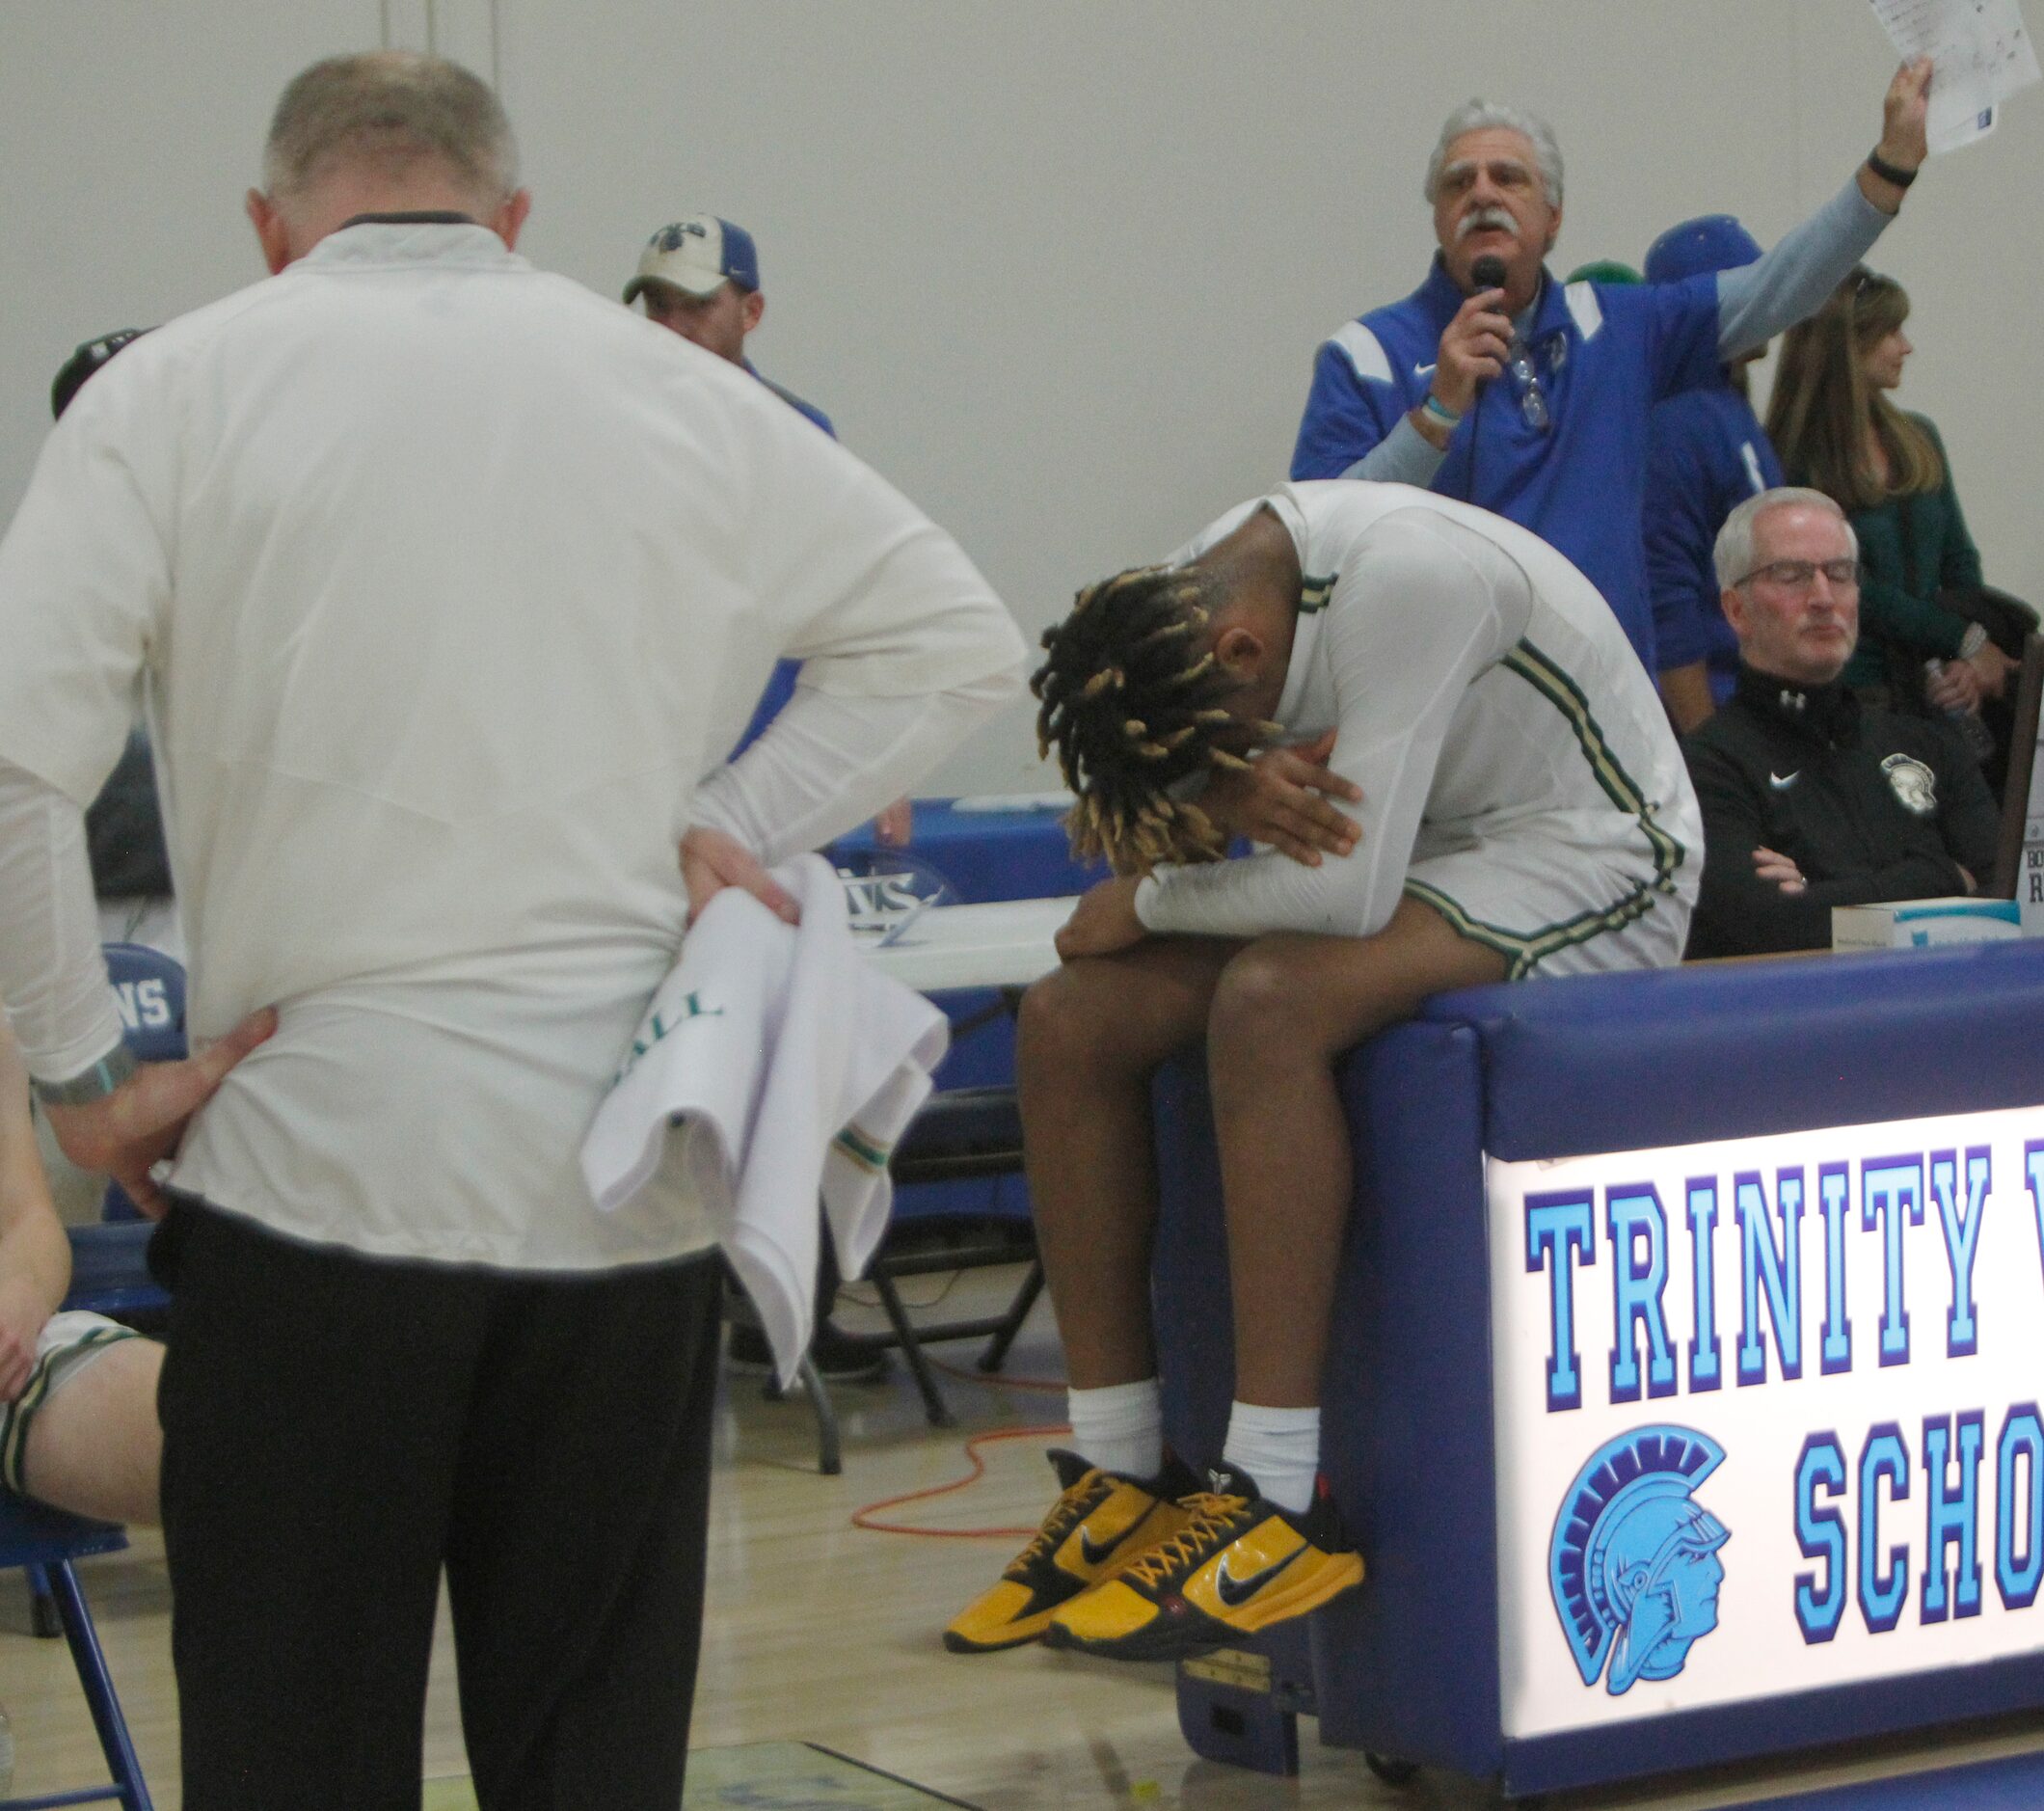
(1811, 800)
(1495, 383)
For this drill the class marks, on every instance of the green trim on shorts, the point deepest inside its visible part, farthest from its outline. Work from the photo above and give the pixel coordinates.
(18, 1416)
(1553, 682)
(1523, 950)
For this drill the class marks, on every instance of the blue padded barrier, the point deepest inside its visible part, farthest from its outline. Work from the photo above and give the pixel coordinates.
(1430, 1609)
(1738, 1049)
(1408, 1667)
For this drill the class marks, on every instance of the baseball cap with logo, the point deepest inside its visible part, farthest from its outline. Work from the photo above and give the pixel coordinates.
(697, 255)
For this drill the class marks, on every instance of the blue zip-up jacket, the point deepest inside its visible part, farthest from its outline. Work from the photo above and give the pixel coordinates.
(1603, 356)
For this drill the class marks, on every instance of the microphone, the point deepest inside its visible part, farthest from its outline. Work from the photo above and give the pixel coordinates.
(1489, 273)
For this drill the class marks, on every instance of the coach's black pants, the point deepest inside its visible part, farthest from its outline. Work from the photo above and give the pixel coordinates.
(339, 1428)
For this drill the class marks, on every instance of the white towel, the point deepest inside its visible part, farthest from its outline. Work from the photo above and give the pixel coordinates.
(773, 1065)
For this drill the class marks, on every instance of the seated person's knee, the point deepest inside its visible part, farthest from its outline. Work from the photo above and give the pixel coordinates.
(1064, 1024)
(1263, 1008)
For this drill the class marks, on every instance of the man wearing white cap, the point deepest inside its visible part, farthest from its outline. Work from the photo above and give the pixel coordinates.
(699, 278)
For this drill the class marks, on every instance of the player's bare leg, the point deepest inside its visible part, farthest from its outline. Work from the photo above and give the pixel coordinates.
(1286, 1006)
(1090, 1038)
(1264, 1545)
(95, 1448)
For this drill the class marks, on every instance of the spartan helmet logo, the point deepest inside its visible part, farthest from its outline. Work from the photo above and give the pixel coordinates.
(1914, 785)
(1634, 1565)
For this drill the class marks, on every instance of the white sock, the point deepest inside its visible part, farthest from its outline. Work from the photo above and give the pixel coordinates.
(1280, 1449)
(1119, 1428)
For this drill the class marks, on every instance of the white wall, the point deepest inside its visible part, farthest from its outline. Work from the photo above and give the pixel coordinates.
(1058, 267)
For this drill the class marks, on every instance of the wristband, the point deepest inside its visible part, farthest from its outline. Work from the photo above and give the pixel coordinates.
(1435, 411)
(1972, 640)
(95, 1084)
(1887, 172)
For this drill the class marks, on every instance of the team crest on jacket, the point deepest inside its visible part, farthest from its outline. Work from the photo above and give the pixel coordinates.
(1916, 787)
(1634, 1565)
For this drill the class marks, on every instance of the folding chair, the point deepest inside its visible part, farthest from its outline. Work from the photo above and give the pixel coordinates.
(962, 1134)
(47, 1542)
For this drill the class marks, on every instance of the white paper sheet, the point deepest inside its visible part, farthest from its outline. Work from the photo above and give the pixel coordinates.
(1983, 55)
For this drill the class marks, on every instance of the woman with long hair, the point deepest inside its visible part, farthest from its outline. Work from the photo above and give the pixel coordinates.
(1831, 420)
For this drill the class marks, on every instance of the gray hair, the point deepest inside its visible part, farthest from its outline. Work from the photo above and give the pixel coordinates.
(1477, 115)
(390, 109)
(1732, 555)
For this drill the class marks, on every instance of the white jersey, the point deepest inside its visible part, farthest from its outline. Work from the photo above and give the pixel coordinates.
(1518, 771)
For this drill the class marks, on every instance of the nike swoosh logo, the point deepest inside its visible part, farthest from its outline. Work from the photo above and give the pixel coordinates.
(1781, 782)
(1235, 1592)
(1095, 1553)
(1420, 371)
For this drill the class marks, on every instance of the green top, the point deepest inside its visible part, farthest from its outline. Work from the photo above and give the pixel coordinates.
(1898, 597)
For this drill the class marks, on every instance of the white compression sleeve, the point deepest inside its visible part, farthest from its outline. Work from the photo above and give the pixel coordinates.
(828, 762)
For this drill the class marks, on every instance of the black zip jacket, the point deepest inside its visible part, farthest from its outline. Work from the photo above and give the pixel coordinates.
(1870, 805)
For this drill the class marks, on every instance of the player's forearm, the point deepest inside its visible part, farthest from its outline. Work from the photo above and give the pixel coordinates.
(828, 763)
(1352, 896)
(53, 976)
(34, 1256)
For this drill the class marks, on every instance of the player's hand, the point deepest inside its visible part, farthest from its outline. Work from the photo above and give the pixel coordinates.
(712, 861)
(1779, 871)
(893, 827)
(141, 1122)
(1991, 668)
(1906, 111)
(21, 1319)
(1473, 348)
(1282, 800)
(1105, 920)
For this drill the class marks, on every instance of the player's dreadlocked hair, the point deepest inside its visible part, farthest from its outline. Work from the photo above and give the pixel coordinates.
(1134, 706)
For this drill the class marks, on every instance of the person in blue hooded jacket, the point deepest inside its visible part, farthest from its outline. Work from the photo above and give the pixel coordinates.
(1707, 452)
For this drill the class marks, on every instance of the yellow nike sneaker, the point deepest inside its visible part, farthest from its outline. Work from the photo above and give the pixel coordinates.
(1238, 1566)
(1100, 1523)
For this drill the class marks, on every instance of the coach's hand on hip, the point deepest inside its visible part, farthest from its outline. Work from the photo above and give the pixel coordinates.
(712, 861)
(140, 1123)
(1104, 922)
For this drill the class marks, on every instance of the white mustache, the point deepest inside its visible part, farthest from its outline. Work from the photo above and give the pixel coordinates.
(1481, 217)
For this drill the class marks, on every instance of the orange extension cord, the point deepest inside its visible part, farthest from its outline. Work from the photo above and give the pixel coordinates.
(865, 1518)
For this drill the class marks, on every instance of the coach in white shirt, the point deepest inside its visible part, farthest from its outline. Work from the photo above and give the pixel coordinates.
(445, 582)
